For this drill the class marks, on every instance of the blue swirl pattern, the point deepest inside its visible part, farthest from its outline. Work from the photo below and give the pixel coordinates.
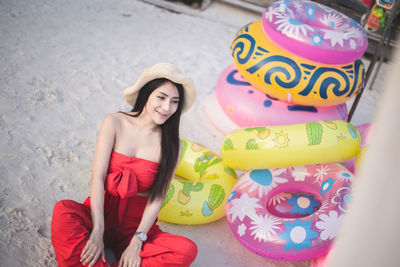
(284, 72)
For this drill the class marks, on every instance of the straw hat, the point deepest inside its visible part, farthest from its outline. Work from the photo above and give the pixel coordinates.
(162, 70)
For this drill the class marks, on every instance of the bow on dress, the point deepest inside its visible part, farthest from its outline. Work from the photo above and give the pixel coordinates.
(122, 183)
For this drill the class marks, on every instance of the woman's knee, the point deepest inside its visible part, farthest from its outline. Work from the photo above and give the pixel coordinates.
(67, 212)
(188, 249)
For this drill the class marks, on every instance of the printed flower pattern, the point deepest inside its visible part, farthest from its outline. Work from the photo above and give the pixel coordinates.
(300, 19)
(299, 173)
(289, 26)
(342, 198)
(329, 224)
(303, 204)
(271, 12)
(336, 37)
(327, 185)
(332, 20)
(298, 6)
(343, 175)
(242, 206)
(264, 227)
(316, 39)
(262, 180)
(298, 235)
(278, 198)
(241, 229)
(321, 172)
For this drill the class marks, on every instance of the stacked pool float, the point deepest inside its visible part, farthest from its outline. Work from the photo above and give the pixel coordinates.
(282, 104)
(300, 63)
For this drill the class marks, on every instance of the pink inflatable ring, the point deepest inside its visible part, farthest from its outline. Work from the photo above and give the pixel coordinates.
(314, 31)
(248, 107)
(318, 195)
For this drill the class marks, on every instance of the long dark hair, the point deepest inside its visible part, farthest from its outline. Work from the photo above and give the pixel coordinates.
(169, 137)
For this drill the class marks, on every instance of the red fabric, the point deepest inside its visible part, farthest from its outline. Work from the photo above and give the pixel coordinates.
(127, 176)
(71, 223)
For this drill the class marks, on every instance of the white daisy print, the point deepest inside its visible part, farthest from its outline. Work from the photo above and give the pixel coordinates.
(262, 180)
(291, 27)
(283, 6)
(264, 227)
(299, 173)
(321, 172)
(352, 32)
(298, 6)
(335, 36)
(270, 12)
(241, 206)
(241, 229)
(332, 20)
(329, 224)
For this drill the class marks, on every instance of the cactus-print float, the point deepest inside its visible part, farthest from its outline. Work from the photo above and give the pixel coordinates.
(199, 189)
(291, 145)
(215, 199)
(314, 133)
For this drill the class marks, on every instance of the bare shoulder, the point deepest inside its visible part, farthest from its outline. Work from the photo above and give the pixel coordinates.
(112, 121)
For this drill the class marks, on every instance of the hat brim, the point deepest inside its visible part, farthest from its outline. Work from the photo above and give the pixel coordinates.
(162, 70)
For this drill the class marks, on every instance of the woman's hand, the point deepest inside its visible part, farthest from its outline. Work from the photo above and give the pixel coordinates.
(130, 257)
(93, 249)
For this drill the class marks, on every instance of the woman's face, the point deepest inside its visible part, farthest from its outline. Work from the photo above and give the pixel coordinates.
(163, 102)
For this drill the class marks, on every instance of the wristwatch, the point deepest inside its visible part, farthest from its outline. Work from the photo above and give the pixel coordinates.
(142, 236)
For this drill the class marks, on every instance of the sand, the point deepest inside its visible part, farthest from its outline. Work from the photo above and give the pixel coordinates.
(64, 65)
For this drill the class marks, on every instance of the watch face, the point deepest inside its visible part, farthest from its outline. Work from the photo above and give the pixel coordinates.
(142, 236)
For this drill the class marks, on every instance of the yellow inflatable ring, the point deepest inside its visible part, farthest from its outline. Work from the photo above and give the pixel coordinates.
(360, 157)
(291, 78)
(198, 192)
(290, 145)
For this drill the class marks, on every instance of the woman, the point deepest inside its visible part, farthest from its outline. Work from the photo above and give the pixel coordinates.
(135, 158)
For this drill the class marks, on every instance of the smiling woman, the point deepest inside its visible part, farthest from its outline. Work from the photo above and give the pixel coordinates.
(135, 158)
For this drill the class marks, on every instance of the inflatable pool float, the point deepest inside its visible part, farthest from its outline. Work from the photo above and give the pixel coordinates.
(291, 78)
(217, 115)
(315, 216)
(290, 145)
(365, 132)
(248, 107)
(198, 191)
(314, 31)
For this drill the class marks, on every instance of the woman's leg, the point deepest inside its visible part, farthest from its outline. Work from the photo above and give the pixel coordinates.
(165, 249)
(70, 229)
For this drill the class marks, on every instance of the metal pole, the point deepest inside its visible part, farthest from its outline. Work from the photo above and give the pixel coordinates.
(392, 15)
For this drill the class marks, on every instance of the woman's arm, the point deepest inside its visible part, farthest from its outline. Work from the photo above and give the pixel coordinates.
(150, 214)
(104, 146)
(105, 143)
(152, 209)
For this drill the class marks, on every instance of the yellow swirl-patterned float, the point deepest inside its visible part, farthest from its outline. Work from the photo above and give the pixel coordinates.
(290, 145)
(198, 192)
(291, 78)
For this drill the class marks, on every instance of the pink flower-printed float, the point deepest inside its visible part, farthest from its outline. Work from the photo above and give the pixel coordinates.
(249, 107)
(314, 31)
(313, 198)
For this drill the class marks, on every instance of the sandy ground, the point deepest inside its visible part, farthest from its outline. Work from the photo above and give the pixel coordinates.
(63, 67)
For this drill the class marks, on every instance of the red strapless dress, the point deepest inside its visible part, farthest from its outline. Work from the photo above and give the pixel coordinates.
(123, 209)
